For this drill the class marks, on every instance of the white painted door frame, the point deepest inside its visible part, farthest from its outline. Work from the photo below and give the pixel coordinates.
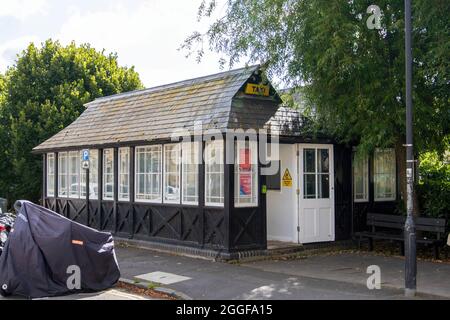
(316, 217)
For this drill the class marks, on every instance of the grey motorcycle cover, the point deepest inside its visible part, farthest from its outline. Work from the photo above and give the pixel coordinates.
(49, 255)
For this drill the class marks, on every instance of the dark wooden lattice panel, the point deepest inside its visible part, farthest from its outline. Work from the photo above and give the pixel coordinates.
(77, 211)
(191, 225)
(142, 221)
(51, 203)
(166, 222)
(107, 216)
(94, 215)
(214, 227)
(246, 227)
(62, 207)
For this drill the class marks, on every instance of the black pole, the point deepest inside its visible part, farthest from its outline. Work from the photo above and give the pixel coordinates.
(87, 197)
(410, 228)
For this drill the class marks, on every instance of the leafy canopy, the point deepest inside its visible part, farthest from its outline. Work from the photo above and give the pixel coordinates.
(44, 92)
(353, 77)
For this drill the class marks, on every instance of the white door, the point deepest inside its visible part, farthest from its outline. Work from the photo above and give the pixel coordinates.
(316, 193)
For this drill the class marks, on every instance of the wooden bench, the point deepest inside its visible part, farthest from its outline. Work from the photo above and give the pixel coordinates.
(391, 227)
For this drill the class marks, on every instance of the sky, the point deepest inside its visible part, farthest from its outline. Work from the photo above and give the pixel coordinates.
(144, 33)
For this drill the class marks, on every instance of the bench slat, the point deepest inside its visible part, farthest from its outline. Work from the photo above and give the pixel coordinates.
(431, 222)
(391, 225)
(385, 217)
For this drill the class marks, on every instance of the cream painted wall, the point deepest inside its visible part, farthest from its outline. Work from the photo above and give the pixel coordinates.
(282, 217)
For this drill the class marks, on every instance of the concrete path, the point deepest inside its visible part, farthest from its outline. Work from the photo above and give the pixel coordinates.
(264, 279)
(432, 278)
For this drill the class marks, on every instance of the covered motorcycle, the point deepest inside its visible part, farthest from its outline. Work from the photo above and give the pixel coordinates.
(48, 255)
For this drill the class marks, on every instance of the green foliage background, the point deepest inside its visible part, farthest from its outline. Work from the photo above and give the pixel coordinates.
(434, 185)
(43, 92)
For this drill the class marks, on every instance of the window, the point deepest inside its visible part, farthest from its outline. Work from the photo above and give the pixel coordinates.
(246, 174)
(124, 174)
(384, 175)
(172, 173)
(74, 174)
(93, 176)
(214, 173)
(190, 162)
(50, 175)
(273, 181)
(108, 174)
(360, 178)
(316, 174)
(62, 174)
(148, 173)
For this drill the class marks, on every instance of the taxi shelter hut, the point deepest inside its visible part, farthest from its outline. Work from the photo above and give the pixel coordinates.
(140, 187)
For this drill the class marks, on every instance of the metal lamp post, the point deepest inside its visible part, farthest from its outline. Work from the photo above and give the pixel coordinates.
(410, 229)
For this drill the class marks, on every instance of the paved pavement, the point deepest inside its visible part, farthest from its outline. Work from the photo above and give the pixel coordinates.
(277, 280)
(432, 278)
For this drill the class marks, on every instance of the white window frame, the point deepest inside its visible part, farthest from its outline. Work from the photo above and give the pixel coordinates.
(93, 172)
(177, 151)
(50, 174)
(107, 152)
(147, 150)
(124, 172)
(73, 155)
(377, 198)
(217, 145)
(63, 173)
(187, 148)
(365, 171)
(253, 147)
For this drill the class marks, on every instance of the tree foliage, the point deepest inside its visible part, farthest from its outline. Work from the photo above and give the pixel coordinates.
(434, 185)
(353, 76)
(44, 92)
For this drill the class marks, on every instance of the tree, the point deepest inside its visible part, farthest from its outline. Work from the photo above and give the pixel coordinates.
(46, 90)
(353, 76)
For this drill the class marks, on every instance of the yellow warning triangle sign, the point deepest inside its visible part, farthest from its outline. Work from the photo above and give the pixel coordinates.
(287, 176)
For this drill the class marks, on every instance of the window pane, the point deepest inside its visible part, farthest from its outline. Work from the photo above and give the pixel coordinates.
(62, 174)
(172, 173)
(324, 186)
(384, 174)
(214, 171)
(108, 174)
(148, 173)
(309, 186)
(360, 178)
(309, 160)
(190, 153)
(124, 169)
(50, 174)
(323, 161)
(74, 169)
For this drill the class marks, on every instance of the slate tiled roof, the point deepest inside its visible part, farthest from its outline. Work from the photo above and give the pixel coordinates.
(154, 113)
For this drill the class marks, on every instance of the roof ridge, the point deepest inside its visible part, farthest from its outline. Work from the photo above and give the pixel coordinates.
(172, 84)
